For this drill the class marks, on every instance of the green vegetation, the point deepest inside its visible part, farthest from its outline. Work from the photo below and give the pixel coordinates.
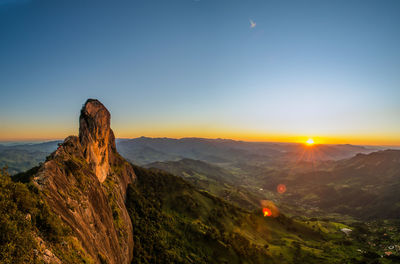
(111, 185)
(211, 178)
(22, 157)
(175, 223)
(364, 187)
(16, 240)
(25, 219)
(189, 219)
(18, 160)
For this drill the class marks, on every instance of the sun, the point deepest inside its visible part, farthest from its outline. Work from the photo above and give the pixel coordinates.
(310, 142)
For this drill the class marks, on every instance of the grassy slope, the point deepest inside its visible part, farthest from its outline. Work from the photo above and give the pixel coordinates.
(212, 178)
(24, 218)
(365, 186)
(176, 223)
(19, 158)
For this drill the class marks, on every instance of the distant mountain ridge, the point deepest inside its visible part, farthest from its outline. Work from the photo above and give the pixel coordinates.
(22, 157)
(144, 150)
(365, 186)
(86, 204)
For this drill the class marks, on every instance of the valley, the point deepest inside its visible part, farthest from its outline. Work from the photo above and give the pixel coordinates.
(200, 200)
(200, 132)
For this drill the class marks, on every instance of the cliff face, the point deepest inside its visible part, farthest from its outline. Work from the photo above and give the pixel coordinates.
(96, 137)
(85, 181)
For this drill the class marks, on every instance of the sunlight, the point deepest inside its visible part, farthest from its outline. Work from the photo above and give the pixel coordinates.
(267, 212)
(310, 142)
(269, 209)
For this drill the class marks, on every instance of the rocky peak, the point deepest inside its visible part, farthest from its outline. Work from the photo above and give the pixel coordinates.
(85, 182)
(96, 137)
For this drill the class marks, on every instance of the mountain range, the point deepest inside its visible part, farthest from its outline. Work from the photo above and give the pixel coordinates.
(144, 150)
(196, 201)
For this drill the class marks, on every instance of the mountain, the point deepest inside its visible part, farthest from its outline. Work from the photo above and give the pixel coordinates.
(164, 149)
(212, 178)
(87, 204)
(21, 157)
(48, 146)
(145, 150)
(323, 152)
(365, 186)
(174, 222)
(84, 182)
(186, 167)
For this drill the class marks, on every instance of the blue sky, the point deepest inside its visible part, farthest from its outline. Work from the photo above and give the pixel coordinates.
(328, 69)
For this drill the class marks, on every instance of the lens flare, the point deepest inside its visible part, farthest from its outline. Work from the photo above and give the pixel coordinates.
(267, 212)
(269, 208)
(281, 188)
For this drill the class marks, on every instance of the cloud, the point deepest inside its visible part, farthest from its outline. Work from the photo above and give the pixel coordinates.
(252, 23)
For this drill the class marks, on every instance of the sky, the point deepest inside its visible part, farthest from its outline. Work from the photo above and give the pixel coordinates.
(270, 70)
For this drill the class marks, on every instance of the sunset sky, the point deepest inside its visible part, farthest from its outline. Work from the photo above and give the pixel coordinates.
(253, 70)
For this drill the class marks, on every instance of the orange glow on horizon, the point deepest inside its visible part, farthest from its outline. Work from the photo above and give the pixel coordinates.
(29, 133)
(379, 140)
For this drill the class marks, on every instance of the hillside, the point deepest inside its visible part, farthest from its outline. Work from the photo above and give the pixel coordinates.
(145, 150)
(86, 204)
(365, 186)
(172, 222)
(30, 232)
(21, 157)
(84, 183)
(175, 223)
(212, 178)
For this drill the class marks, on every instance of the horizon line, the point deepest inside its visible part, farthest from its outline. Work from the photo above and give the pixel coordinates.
(43, 140)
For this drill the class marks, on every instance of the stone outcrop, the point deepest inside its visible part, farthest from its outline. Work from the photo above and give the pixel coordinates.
(84, 182)
(44, 254)
(96, 137)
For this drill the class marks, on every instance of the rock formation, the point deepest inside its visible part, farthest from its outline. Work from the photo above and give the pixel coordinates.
(85, 180)
(96, 137)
